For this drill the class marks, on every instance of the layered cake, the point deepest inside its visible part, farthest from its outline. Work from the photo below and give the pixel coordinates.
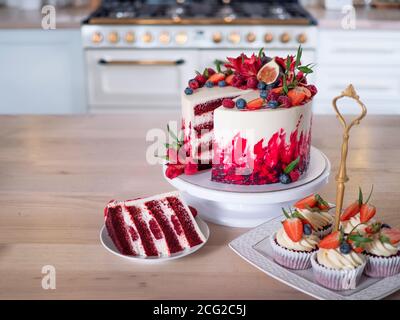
(250, 119)
(155, 226)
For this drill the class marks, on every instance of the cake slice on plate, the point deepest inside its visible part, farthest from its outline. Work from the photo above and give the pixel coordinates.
(156, 226)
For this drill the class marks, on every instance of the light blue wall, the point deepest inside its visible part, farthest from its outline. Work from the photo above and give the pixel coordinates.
(41, 72)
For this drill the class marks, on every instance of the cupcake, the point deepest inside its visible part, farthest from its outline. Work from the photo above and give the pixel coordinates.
(293, 244)
(338, 264)
(315, 211)
(357, 215)
(383, 251)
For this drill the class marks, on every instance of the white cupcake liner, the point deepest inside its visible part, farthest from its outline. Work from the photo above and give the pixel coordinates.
(322, 233)
(334, 279)
(379, 267)
(290, 259)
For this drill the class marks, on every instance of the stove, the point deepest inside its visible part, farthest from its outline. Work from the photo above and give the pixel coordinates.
(128, 44)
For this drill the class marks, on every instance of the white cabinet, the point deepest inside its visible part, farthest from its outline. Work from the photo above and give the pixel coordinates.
(368, 59)
(41, 72)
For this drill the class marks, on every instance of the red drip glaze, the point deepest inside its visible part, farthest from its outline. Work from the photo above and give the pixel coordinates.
(155, 229)
(268, 162)
(185, 221)
(116, 229)
(170, 237)
(144, 232)
(177, 225)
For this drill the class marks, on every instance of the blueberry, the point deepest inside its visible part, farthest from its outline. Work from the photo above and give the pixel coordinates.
(273, 104)
(285, 178)
(385, 225)
(188, 90)
(209, 84)
(307, 229)
(263, 94)
(261, 85)
(345, 248)
(241, 103)
(221, 83)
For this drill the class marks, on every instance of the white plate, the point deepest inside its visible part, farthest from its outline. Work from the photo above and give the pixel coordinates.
(254, 247)
(109, 245)
(249, 206)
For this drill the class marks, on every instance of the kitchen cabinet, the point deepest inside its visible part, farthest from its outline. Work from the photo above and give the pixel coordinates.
(366, 58)
(42, 71)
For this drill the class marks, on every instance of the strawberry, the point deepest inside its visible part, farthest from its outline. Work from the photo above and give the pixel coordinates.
(215, 78)
(367, 211)
(293, 228)
(306, 91)
(309, 201)
(255, 104)
(350, 211)
(229, 79)
(321, 203)
(297, 95)
(331, 241)
(278, 90)
(391, 235)
(358, 249)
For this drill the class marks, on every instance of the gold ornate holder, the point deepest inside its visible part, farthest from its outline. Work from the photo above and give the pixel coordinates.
(342, 177)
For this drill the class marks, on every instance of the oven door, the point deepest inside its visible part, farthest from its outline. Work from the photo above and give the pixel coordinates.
(128, 80)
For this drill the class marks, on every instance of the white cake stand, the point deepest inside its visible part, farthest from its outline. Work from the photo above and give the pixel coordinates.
(249, 206)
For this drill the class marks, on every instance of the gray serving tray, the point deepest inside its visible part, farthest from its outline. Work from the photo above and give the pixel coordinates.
(254, 247)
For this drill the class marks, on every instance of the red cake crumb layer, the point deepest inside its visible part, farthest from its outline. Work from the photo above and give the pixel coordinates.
(208, 106)
(203, 128)
(264, 165)
(156, 226)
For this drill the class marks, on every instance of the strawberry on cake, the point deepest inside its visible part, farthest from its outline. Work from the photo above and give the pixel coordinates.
(250, 119)
(156, 226)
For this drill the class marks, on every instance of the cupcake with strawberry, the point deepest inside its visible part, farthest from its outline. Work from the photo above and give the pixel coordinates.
(382, 251)
(294, 243)
(339, 264)
(315, 211)
(358, 214)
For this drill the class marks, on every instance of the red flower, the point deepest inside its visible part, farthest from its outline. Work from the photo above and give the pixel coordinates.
(245, 66)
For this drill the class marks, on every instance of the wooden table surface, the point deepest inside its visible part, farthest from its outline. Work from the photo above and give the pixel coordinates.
(58, 172)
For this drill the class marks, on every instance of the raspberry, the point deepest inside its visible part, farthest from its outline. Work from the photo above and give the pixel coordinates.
(200, 79)
(285, 101)
(272, 96)
(252, 83)
(228, 103)
(313, 89)
(193, 84)
(211, 71)
(174, 170)
(294, 175)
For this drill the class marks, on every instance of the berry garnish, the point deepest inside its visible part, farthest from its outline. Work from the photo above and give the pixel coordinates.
(174, 170)
(294, 175)
(285, 101)
(391, 236)
(345, 248)
(241, 103)
(264, 94)
(350, 211)
(331, 241)
(285, 178)
(312, 89)
(201, 79)
(261, 85)
(228, 103)
(358, 240)
(367, 211)
(293, 226)
(209, 84)
(273, 104)
(215, 78)
(229, 79)
(221, 83)
(307, 230)
(194, 84)
(191, 168)
(297, 95)
(308, 202)
(255, 104)
(188, 91)
(272, 96)
(252, 82)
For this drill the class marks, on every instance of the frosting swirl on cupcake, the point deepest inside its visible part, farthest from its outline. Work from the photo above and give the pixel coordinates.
(307, 243)
(318, 220)
(379, 248)
(334, 259)
(353, 222)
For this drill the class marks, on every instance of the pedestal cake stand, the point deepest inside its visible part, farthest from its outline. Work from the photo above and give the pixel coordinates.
(249, 206)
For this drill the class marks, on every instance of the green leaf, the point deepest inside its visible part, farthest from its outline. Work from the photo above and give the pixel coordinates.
(205, 72)
(358, 238)
(261, 52)
(286, 213)
(384, 239)
(172, 134)
(360, 196)
(197, 72)
(288, 62)
(298, 56)
(370, 194)
(291, 166)
(162, 157)
(285, 87)
(305, 69)
(218, 64)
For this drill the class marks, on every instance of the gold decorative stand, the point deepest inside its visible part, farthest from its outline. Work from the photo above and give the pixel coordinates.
(342, 177)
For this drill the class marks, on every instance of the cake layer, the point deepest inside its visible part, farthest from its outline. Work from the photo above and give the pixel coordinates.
(254, 147)
(154, 226)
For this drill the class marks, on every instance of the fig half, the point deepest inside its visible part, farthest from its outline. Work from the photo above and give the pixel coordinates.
(269, 73)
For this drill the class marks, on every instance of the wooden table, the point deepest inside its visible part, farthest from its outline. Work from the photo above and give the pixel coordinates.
(58, 172)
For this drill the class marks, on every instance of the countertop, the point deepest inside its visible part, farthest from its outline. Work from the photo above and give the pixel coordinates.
(11, 18)
(58, 172)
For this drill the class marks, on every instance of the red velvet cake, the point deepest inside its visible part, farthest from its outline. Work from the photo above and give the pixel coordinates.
(155, 226)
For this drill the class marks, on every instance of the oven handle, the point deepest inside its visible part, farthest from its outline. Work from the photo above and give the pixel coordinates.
(141, 62)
